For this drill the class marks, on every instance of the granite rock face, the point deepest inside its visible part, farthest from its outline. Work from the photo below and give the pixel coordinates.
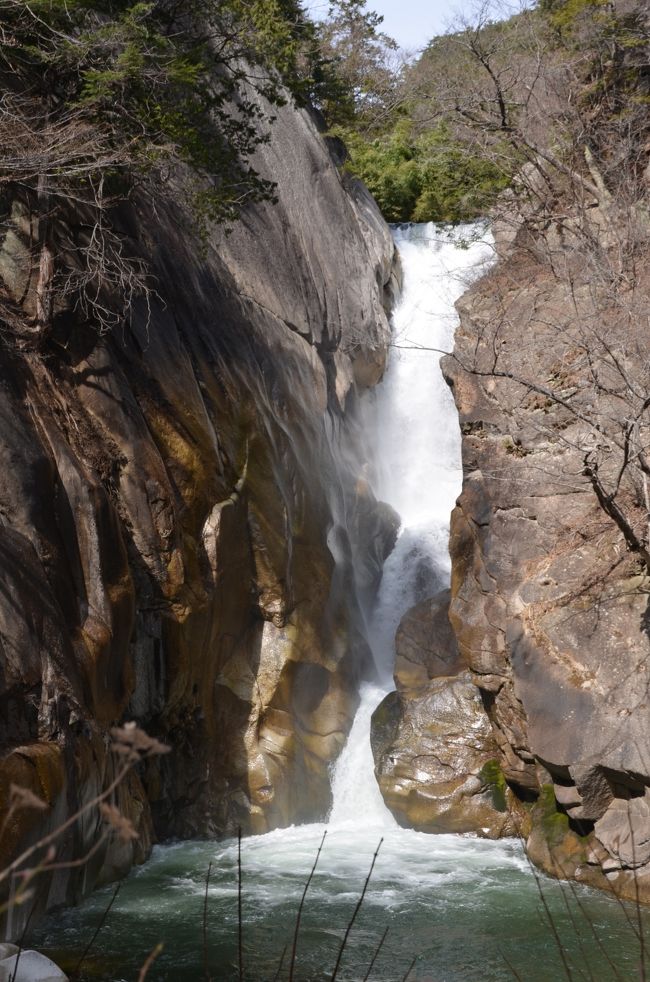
(435, 756)
(182, 504)
(549, 606)
(425, 644)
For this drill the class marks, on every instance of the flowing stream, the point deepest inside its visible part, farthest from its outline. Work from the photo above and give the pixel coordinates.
(466, 909)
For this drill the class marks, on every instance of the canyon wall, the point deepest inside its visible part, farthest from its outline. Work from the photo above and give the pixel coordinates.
(181, 505)
(521, 703)
(549, 591)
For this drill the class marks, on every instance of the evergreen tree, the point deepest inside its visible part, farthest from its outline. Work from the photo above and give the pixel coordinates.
(362, 56)
(102, 96)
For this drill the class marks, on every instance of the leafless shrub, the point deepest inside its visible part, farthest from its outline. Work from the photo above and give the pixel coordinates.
(570, 111)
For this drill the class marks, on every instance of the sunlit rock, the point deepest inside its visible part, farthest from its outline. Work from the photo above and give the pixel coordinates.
(183, 505)
(624, 831)
(435, 756)
(549, 603)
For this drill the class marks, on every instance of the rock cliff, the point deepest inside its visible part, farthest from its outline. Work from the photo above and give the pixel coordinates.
(180, 505)
(549, 595)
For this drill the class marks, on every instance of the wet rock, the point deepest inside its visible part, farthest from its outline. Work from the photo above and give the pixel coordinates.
(175, 500)
(555, 847)
(376, 525)
(431, 739)
(433, 758)
(425, 643)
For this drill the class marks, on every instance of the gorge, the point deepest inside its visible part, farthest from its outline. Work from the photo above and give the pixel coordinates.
(467, 907)
(313, 525)
(181, 508)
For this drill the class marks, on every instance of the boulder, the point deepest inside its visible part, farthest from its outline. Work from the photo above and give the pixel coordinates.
(435, 756)
(624, 831)
(435, 760)
(32, 967)
(425, 643)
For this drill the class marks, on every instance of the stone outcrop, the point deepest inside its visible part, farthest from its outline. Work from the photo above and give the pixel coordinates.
(181, 503)
(549, 606)
(435, 756)
(29, 966)
(425, 644)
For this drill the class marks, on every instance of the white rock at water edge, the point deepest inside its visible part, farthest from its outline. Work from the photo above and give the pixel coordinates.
(32, 967)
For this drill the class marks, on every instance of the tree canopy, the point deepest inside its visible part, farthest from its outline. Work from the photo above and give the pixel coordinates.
(566, 82)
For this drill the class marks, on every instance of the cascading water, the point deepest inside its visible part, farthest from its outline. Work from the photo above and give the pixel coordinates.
(354, 788)
(414, 437)
(467, 908)
(415, 428)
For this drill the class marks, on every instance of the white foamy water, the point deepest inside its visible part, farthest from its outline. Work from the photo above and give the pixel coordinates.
(414, 438)
(355, 791)
(416, 434)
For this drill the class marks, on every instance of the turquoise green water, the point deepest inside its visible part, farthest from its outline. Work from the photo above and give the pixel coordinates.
(467, 908)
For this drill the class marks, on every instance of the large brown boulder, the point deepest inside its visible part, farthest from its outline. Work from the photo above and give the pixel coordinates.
(425, 644)
(435, 756)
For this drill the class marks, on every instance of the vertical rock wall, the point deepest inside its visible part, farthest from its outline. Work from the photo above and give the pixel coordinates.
(180, 505)
(549, 606)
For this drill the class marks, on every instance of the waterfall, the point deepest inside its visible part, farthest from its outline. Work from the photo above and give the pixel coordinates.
(462, 905)
(414, 445)
(468, 908)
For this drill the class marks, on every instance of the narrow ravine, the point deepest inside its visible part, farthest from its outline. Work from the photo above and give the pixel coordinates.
(464, 907)
(414, 440)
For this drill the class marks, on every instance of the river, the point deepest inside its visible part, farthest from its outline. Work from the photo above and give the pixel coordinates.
(457, 908)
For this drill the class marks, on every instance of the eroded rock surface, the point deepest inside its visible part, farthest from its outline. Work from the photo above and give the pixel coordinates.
(435, 756)
(425, 644)
(180, 503)
(549, 605)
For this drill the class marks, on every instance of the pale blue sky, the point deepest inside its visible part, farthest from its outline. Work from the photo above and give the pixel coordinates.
(411, 22)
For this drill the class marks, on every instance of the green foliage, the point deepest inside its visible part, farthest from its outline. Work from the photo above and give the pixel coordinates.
(563, 14)
(568, 83)
(363, 81)
(158, 83)
(388, 168)
(101, 97)
(430, 177)
(554, 823)
(492, 775)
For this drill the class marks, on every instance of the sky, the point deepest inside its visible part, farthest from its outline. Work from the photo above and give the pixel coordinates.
(411, 22)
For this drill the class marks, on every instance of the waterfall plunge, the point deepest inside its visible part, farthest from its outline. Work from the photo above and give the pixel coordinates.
(414, 443)
(461, 904)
